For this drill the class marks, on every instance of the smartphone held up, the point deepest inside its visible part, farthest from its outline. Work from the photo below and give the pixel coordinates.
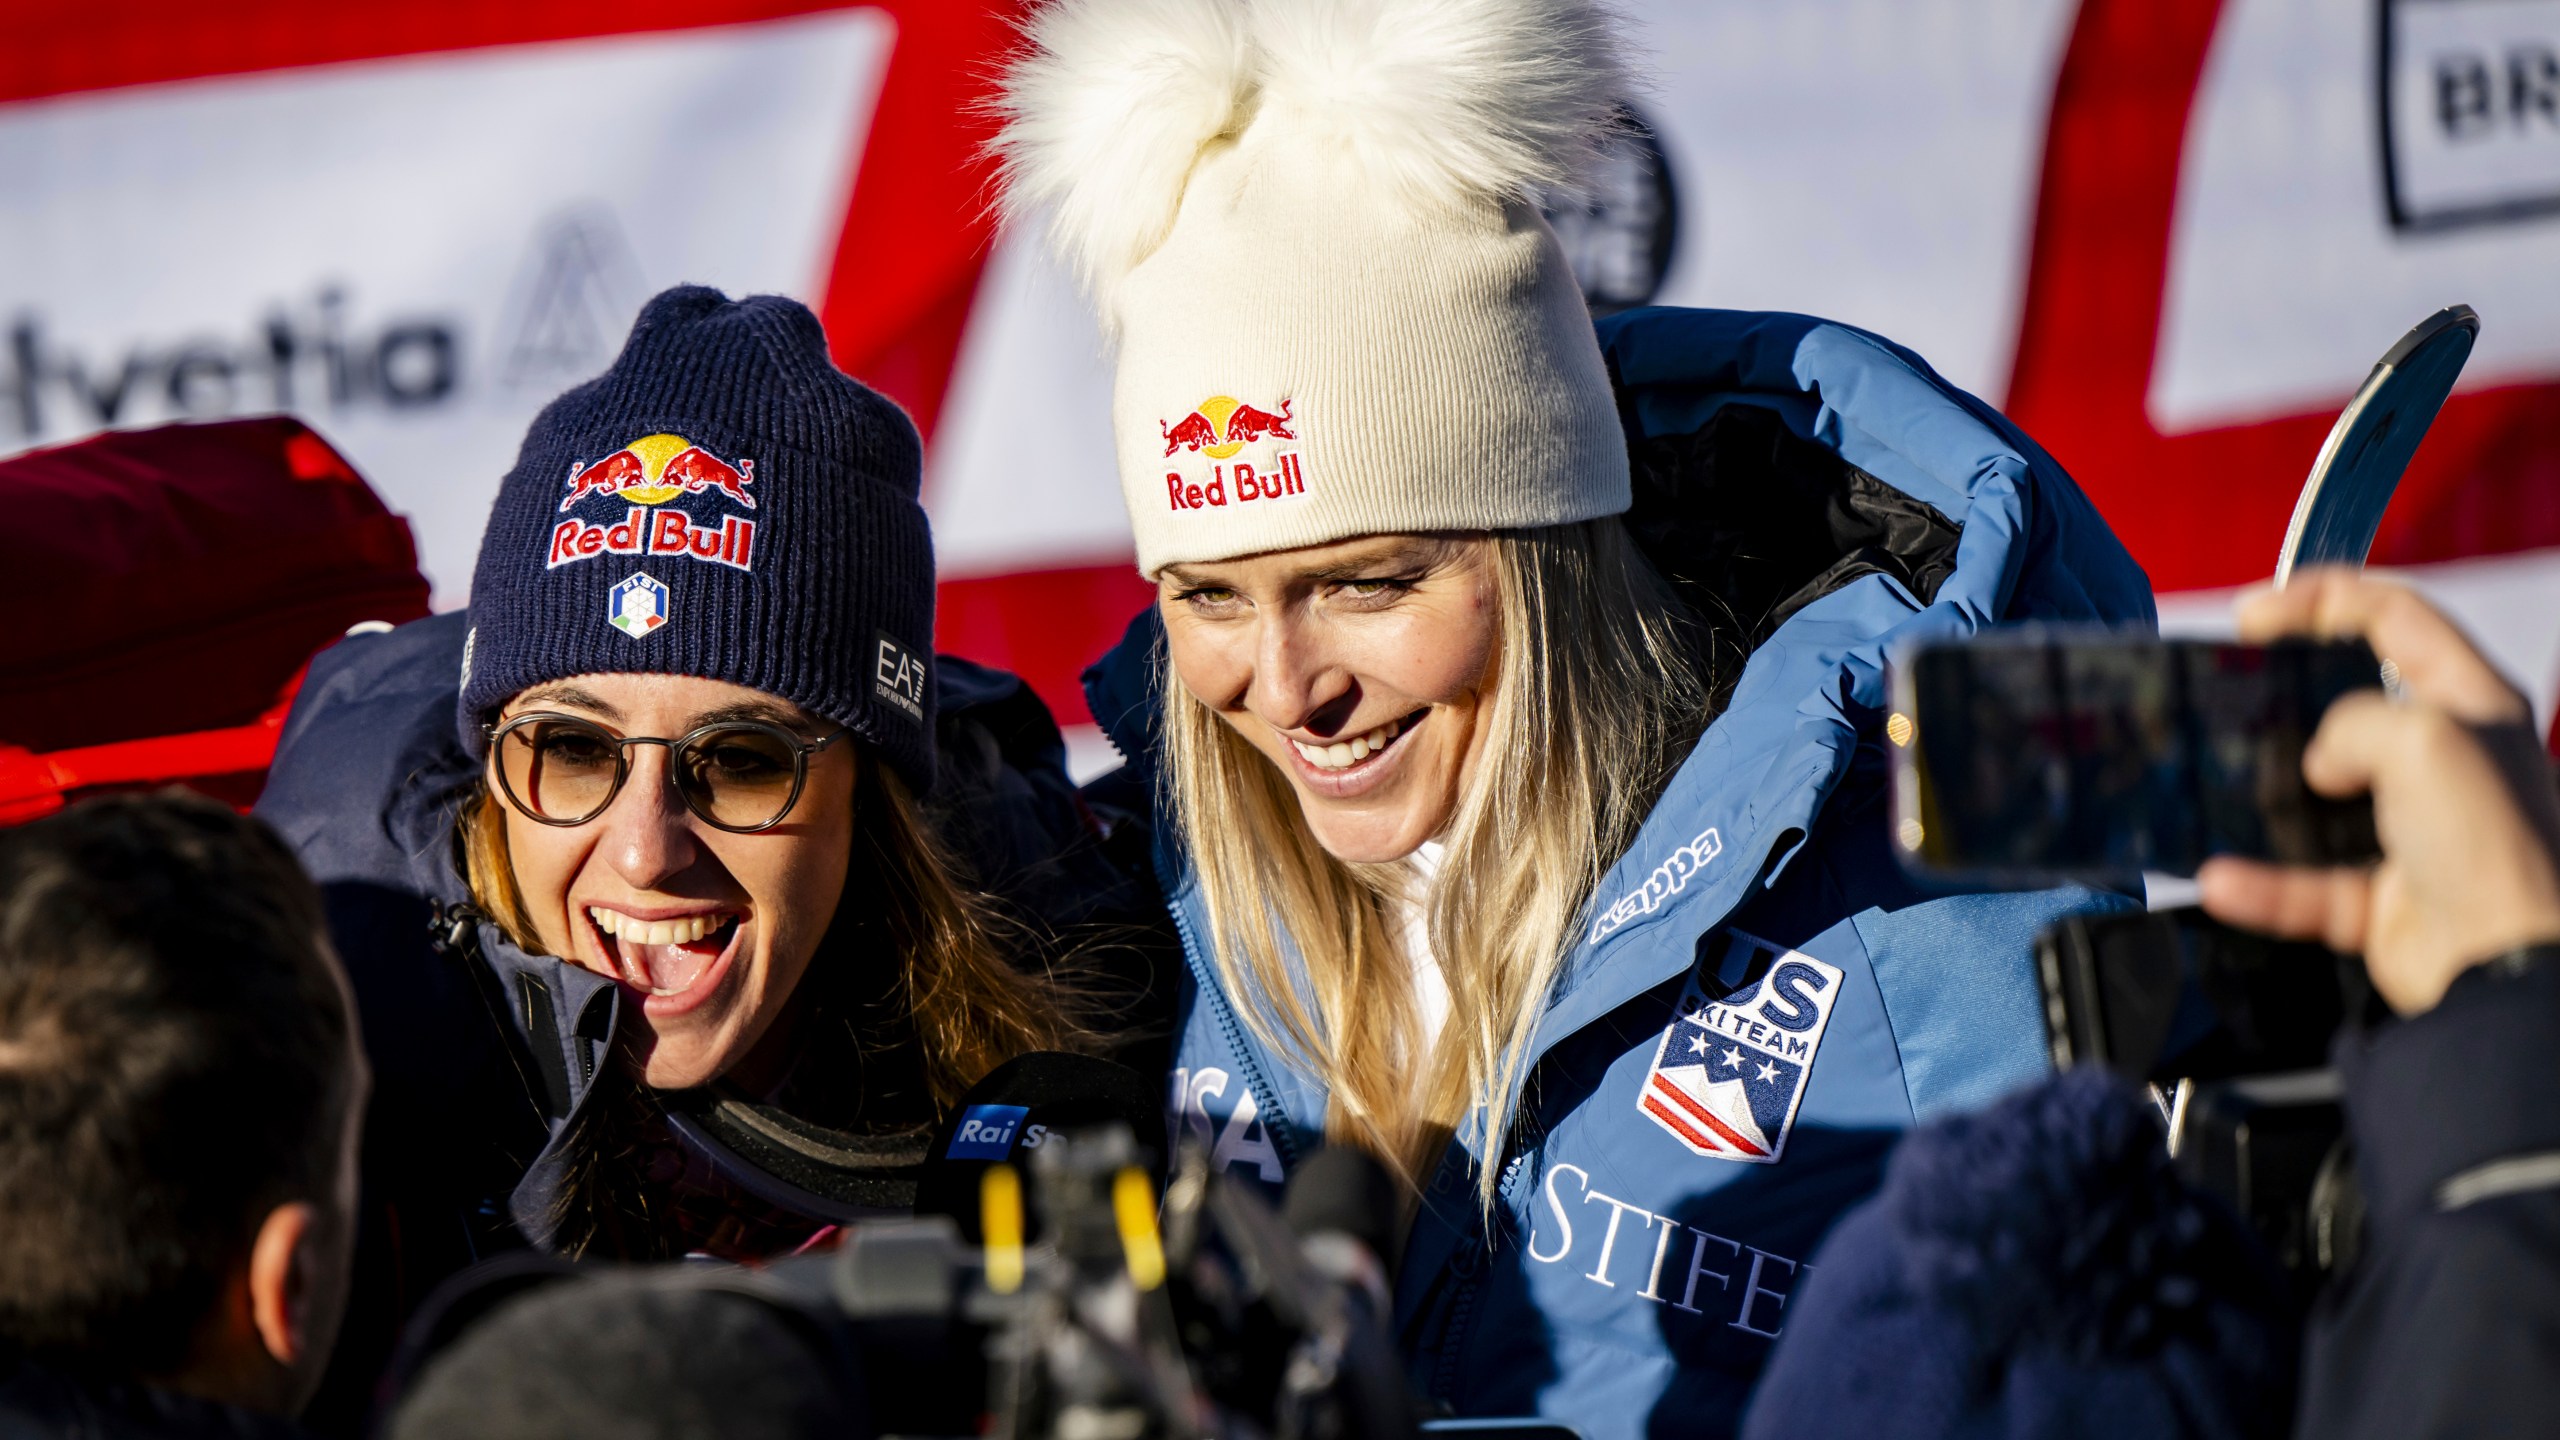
(2032, 756)
(2037, 755)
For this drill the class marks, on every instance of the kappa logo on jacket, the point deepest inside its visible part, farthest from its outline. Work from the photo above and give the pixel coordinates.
(1667, 880)
(1729, 1074)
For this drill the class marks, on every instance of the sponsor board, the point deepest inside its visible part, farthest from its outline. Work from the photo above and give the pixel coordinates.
(2469, 100)
(2342, 179)
(415, 253)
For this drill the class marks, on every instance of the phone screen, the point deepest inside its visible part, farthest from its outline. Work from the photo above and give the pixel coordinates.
(2040, 754)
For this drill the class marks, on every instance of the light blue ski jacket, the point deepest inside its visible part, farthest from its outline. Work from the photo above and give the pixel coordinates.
(1761, 1000)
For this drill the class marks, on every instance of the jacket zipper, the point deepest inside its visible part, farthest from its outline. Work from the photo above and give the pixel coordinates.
(1462, 1297)
(1274, 1117)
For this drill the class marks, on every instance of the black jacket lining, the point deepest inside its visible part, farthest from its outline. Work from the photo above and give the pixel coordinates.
(1750, 523)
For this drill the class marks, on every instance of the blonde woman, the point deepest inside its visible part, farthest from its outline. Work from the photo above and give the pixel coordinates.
(1511, 699)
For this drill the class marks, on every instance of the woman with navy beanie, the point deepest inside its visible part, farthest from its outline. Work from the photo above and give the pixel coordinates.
(709, 975)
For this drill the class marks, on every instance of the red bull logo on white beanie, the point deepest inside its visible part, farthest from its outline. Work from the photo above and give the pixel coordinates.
(1330, 213)
(1217, 430)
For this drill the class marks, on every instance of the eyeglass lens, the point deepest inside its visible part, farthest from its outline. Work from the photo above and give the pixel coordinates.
(567, 771)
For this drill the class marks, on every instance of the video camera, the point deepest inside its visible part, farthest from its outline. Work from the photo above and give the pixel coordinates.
(1060, 1296)
(1083, 1315)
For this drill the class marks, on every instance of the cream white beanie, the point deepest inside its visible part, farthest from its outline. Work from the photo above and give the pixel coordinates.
(1310, 228)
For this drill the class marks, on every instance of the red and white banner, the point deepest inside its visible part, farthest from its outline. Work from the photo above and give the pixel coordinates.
(2169, 236)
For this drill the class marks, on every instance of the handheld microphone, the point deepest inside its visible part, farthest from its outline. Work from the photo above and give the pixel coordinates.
(1028, 1102)
(1343, 1206)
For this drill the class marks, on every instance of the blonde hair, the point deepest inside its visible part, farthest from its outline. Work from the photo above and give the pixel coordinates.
(1594, 700)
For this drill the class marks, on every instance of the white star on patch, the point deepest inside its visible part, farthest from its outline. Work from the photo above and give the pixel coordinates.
(1768, 1072)
(1733, 1059)
(1697, 1044)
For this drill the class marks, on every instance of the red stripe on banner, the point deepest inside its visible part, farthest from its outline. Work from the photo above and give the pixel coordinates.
(2210, 508)
(1654, 1107)
(921, 223)
(1043, 625)
(57, 49)
(1704, 1116)
(229, 763)
(906, 266)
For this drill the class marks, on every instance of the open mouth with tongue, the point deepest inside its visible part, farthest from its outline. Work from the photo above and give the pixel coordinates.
(669, 956)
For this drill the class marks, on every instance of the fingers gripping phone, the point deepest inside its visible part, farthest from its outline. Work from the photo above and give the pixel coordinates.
(2036, 755)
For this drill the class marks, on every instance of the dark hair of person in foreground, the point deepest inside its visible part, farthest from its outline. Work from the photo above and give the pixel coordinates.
(635, 1354)
(178, 1071)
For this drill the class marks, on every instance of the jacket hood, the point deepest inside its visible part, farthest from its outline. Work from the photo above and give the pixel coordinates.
(1822, 498)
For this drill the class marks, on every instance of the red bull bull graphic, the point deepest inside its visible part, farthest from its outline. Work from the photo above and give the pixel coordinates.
(1218, 428)
(647, 473)
(1194, 433)
(658, 468)
(1246, 424)
(698, 470)
(1223, 425)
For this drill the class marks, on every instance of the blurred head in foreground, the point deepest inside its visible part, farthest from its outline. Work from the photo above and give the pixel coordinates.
(2036, 1268)
(633, 1355)
(180, 1081)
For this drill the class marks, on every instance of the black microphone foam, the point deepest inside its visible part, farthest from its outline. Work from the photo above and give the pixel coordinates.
(1343, 1190)
(1019, 1107)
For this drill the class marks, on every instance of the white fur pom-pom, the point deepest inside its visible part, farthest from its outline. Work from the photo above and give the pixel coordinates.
(1435, 100)
(1105, 115)
(1443, 99)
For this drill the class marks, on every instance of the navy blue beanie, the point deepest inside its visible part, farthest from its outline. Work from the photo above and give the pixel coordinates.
(2035, 1269)
(723, 502)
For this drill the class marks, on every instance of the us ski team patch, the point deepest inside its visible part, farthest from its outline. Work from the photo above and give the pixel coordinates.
(1729, 1073)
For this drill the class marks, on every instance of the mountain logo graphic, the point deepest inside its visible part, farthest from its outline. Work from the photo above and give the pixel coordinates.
(1730, 1072)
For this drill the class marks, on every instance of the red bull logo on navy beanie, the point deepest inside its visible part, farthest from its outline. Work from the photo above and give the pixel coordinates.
(722, 502)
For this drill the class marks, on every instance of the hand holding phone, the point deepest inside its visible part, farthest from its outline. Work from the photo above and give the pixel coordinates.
(2462, 795)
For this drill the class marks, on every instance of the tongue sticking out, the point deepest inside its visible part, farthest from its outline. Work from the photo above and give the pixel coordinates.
(673, 968)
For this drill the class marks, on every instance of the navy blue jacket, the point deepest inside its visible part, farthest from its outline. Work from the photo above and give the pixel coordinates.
(37, 1403)
(2449, 1321)
(1761, 999)
(482, 1054)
